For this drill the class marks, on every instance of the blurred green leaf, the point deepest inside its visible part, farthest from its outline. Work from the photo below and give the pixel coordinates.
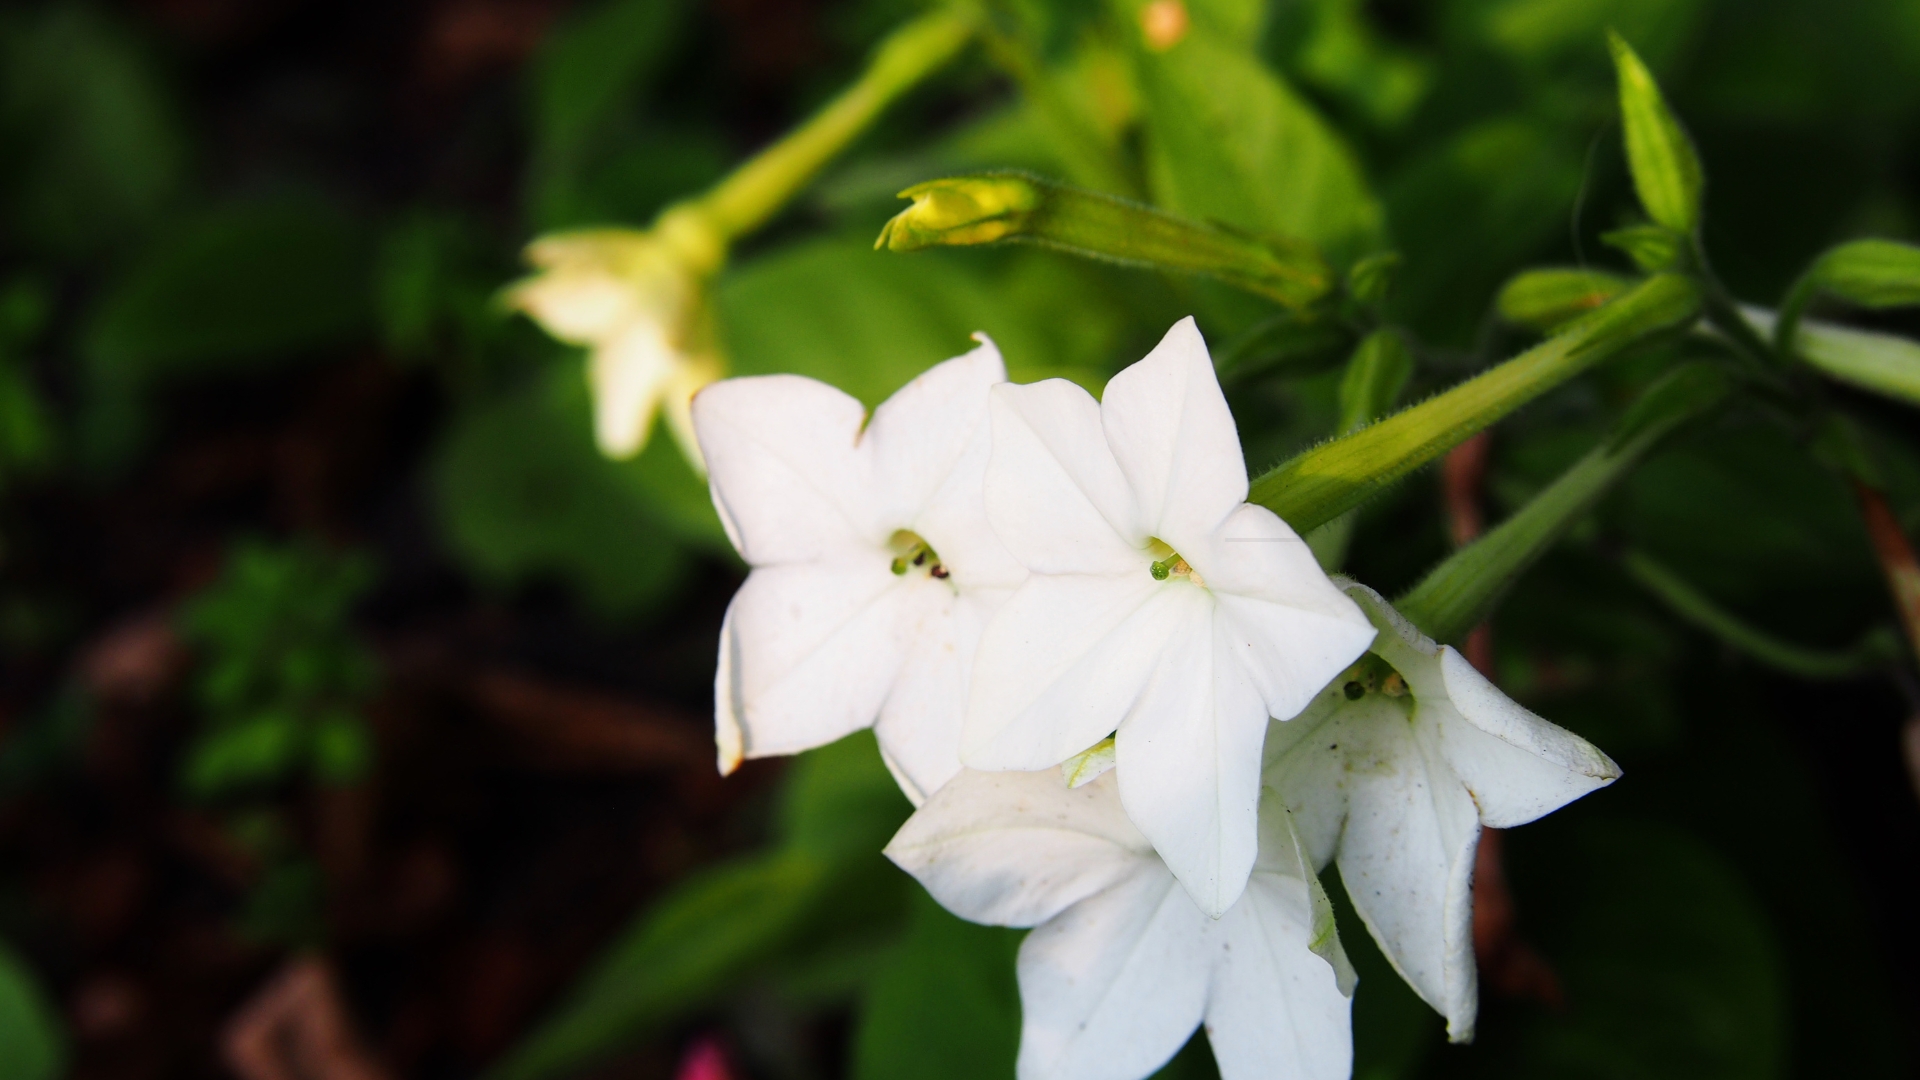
(522, 492)
(1871, 273)
(1287, 345)
(1671, 968)
(1227, 139)
(1546, 32)
(1651, 247)
(33, 1043)
(239, 286)
(1666, 169)
(254, 752)
(946, 1007)
(1343, 54)
(91, 146)
(840, 801)
(1546, 299)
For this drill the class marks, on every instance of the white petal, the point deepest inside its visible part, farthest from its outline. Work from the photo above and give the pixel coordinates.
(1054, 493)
(787, 477)
(1188, 756)
(1061, 663)
(1112, 987)
(1407, 860)
(1306, 767)
(1275, 1009)
(919, 725)
(629, 373)
(1017, 848)
(919, 434)
(1516, 765)
(808, 655)
(1174, 438)
(577, 306)
(1283, 855)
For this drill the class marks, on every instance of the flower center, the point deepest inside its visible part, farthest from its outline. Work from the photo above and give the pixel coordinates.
(1170, 565)
(1373, 675)
(910, 552)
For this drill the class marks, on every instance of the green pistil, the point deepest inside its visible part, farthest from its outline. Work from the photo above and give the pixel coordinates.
(915, 552)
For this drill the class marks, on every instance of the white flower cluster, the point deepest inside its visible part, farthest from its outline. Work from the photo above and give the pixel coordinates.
(1132, 711)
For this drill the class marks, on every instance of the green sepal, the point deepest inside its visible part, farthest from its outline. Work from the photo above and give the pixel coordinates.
(1456, 595)
(1866, 273)
(1369, 280)
(998, 207)
(1652, 248)
(1328, 480)
(1547, 299)
(1666, 170)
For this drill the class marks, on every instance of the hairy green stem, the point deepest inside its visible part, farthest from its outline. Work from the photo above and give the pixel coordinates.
(1328, 480)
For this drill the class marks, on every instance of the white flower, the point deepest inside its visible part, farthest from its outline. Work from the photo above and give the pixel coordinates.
(635, 300)
(1123, 966)
(1161, 604)
(1394, 769)
(873, 566)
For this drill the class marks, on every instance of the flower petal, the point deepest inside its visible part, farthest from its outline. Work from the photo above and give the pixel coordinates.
(1054, 493)
(1516, 765)
(1061, 663)
(808, 655)
(1112, 987)
(630, 372)
(1017, 848)
(1407, 860)
(1188, 758)
(937, 485)
(1175, 440)
(787, 477)
(1274, 1008)
(1306, 768)
(919, 724)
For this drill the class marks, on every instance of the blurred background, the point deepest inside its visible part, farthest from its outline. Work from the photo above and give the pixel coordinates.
(355, 713)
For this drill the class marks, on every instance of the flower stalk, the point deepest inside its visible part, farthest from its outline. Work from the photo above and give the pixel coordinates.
(1321, 484)
(1459, 593)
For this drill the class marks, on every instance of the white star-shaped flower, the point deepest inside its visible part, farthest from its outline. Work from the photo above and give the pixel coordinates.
(1123, 966)
(1394, 769)
(635, 301)
(873, 568)
(1160, 604)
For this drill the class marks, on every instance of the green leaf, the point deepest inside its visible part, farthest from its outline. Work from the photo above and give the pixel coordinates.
(868, 323)
(674, 958)
(1666, 170)
(840, 801)
(1289, 344)
(1370, 279)
(1652, 248)
(1872, 273)
(1548, 299)
(1374, 379)
(1325, 482)
(1556, 34)
(1345, 55)
(239, 286)
(1015, 207)
(521, 492)
(946, 1006)
(33, 1043)
(1228, 140)
(88, 129)
(259, 750)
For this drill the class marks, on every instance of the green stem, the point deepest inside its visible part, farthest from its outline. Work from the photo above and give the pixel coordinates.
(758, 189)
(1321, 484)
(1459, 593)
(1874, 650)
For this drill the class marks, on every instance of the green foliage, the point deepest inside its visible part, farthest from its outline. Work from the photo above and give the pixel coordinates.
(825, 880)
(523, 493)
(944, 1007)
(89, 134)
(1229, 140)
(1548, 299)
(282, 674)
(1666, 170)
(33, 1044)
